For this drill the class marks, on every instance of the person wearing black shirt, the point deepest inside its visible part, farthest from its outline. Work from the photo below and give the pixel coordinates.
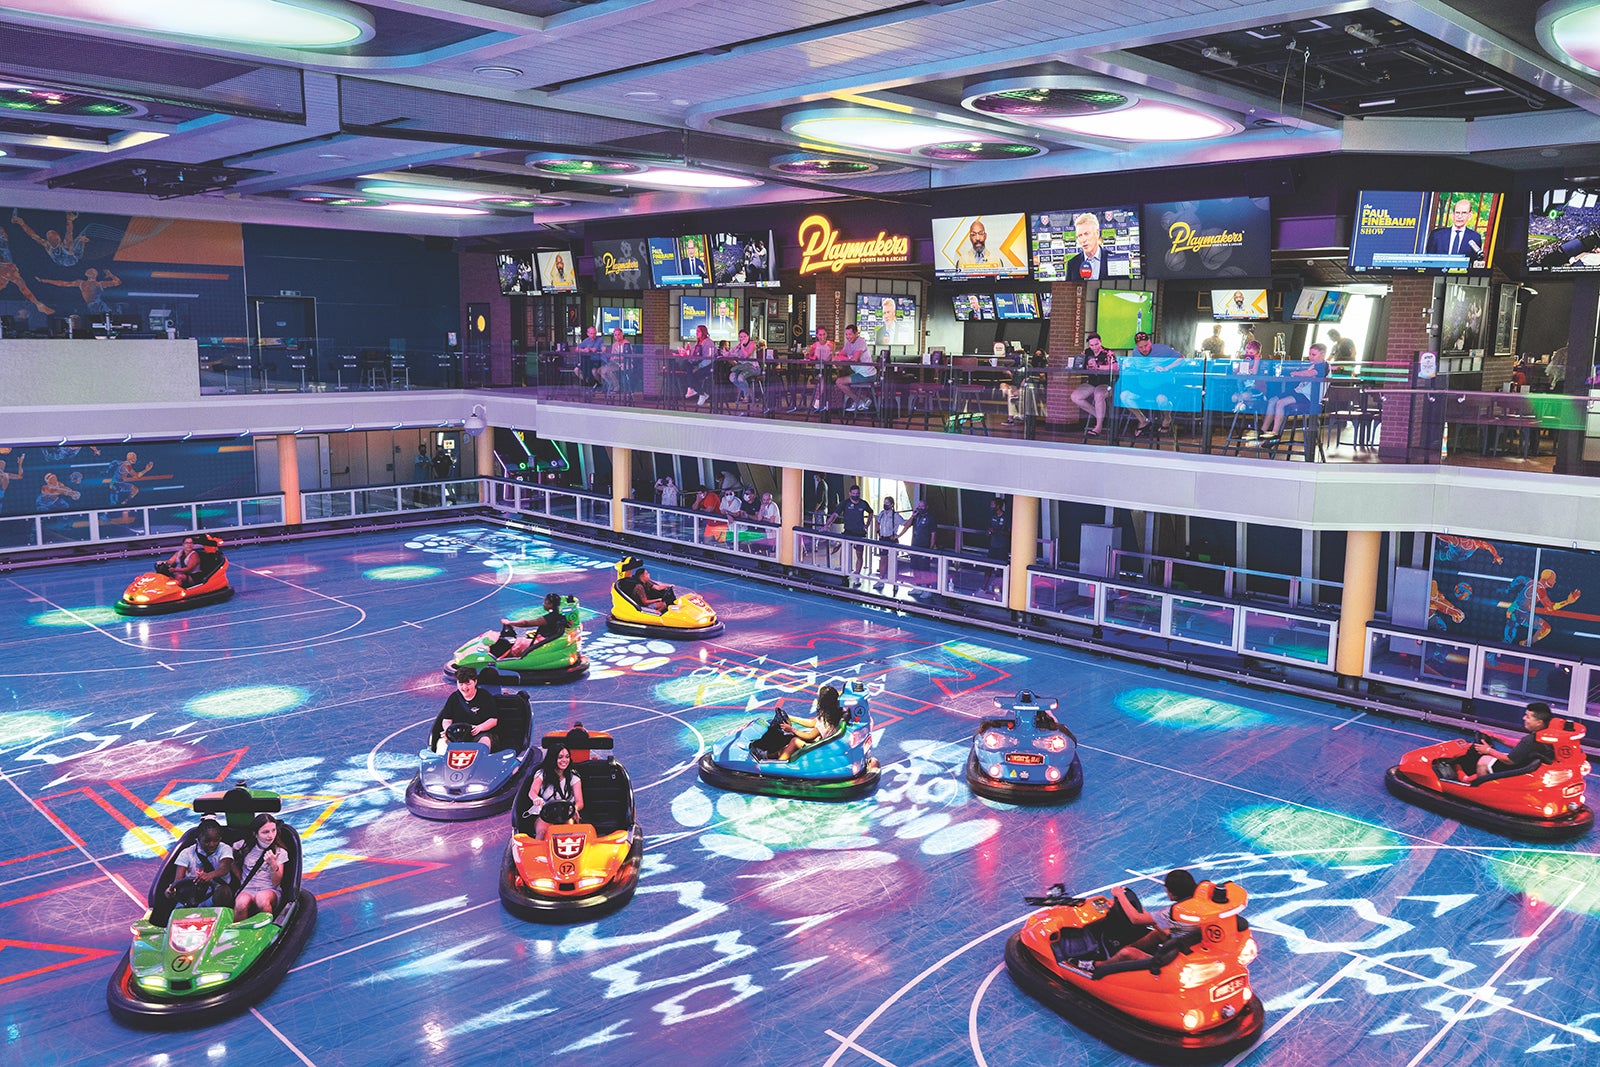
(472, 706)
(549, 626)
(999, 530)
(637, 585)
(1535, 718)
(855, 514)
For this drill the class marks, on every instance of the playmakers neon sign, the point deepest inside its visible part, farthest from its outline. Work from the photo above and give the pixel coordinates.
(821, 248)
(611, 266)
(1184, 239)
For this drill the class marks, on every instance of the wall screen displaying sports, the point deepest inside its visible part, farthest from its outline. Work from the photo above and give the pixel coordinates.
(627, 318)
(886, 320)
(517, 275)
(1016, 306)
(1086, 245)
(1424, 232)
(1121, 313)
(1243, 305)
(974, 307)
(557, 272)
(679, 260)
(1208, 238)
(1563, 231)
(980, 246)
(718, 314)
(743, 258)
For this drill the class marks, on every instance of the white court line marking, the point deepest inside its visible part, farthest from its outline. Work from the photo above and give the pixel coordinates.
(972, 1015)
(447, 917)
(1347, 722)
(113, 879)
(290, 1045)
(874, 1057)
(372, 754)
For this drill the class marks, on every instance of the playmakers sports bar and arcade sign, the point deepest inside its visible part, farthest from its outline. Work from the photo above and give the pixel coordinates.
(823, 247)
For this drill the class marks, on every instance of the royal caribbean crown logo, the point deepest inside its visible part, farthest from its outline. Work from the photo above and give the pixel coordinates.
(822, 249)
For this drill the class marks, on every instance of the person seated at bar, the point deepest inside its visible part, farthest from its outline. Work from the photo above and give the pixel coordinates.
(1100, 368)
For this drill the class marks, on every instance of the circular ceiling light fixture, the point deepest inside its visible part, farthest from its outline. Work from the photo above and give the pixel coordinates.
(1098, 107)
(430, 209)
(876, 131)
(55, 103)
(341, 201)
(573, 167)
(978, 151)
(522, 201)
(674, 178)
(1034, 102)
(812, 165)
(265, 23)
(1570, 31)
(497, 72)
(433, 193)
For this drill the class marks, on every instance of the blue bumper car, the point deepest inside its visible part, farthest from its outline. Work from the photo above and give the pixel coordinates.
(807, 760)
(1023, 755)
(469, 781)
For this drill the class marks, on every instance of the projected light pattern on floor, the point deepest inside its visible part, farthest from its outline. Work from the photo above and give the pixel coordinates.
(763, 929)
(246, 701)
(84, 616)
(402, 573)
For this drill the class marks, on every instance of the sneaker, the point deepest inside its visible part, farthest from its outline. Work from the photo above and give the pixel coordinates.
(688, 394)
(704, 400)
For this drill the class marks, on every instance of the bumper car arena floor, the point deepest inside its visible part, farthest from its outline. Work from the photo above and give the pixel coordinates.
(765, 931)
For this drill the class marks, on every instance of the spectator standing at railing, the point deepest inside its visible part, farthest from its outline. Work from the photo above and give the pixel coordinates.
(769, 512)
(853, 515)
(667, 491)
(421, 464)
(924, 527)
(999, 529)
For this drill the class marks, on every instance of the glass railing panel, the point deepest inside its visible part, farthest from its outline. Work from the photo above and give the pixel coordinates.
(1203, 622)
(1133, 609)
(1056, 594)
(1293, 638)
(1424, 662)
(1519, 677)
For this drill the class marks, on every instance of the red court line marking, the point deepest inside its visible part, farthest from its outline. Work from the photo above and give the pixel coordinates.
(36, 855)
(417, 867)
(146, 809)
(48, 892)
(82, 954)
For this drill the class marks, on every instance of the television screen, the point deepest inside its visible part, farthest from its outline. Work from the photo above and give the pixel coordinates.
(679, 261)
(517, 277)
(889, 320)
(1044, 305)
(966, 305)
(744, 259)
(724, 324)
(1011, 306)
(1308, 305)
(980, 246)
(1424, 232)
(557, 272)
(1563, 231)
(633, 321)
(1208, 238)
(621, 264)
(1333, 307)
(1121, 313)
(612, 317)
(1086, 245)
(1243, 305)
(693, 311)
(985, 306)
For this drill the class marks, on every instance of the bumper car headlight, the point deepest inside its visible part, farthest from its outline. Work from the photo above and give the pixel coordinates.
(205, 980)
(1247, 954)
(1556, 777)
(1198, 974)
(154, 982)
(547, 885)
(1193, 1018)
(591, 881)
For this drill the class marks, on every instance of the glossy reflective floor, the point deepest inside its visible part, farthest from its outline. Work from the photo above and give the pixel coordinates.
(764, 931)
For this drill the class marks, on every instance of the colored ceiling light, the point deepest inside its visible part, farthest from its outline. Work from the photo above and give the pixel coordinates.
(879, 131)
(582, 168)
(57, 103)
(340, 201)
(811, 165)
(1033, 103)
(1149, 120)
(434, 193)
(976, 151)
(673, 178)
(430, 209)
(267, 23)
(1570, 31)
(522, 201)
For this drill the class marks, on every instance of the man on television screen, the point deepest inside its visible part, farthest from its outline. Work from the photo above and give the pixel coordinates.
(1088, 264)
(1457, 239)
(888, 324)
(974, 252)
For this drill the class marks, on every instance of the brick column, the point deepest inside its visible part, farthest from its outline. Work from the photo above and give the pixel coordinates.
(831, 313)
(656, 335)
(1410, 304)
(1067, 318)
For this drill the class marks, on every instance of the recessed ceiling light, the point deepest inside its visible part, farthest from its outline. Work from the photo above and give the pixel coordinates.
(688, 179)
(429, 209)
(873, 130)
(424, 192)
(976, 151)
(523, 201)
(812, 165)
(1385, 102)
(330, 155)
(1570, 31)
(1150, 120)
(269, 23)
(571, 167)
(341, 201)
(642, 94)
(497, 72)
(679, 101)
